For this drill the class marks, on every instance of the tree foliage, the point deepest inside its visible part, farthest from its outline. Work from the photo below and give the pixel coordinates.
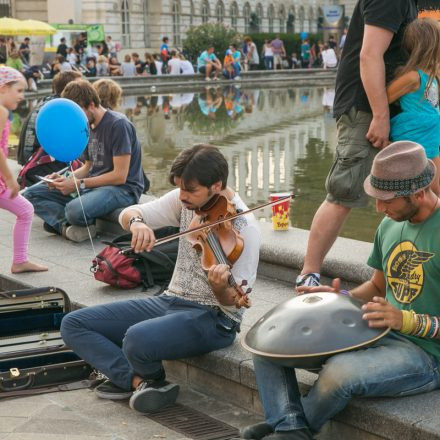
(198, 38)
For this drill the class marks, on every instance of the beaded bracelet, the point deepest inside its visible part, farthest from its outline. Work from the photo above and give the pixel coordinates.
(420, 325)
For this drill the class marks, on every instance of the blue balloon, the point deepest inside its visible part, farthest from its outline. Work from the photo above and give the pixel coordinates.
(303, 35)
(62, 129)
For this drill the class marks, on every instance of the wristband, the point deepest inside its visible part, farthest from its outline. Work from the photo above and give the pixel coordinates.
(345, 292)
(135, 219)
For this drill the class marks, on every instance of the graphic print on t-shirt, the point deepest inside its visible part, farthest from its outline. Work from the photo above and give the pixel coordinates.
(405, 274)
(96, 152)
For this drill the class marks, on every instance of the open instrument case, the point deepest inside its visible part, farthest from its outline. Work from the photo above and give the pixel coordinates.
(33, 356)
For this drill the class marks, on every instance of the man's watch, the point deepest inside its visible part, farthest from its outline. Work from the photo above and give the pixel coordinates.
(135, 219)
(82, 184)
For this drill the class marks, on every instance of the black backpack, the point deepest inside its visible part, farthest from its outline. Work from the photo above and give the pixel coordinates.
(130, 269)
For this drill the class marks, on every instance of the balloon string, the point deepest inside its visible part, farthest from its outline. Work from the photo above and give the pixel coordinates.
(83, 211)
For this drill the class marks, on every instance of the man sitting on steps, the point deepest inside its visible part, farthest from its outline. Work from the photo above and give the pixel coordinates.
(128, 340)
(402, 294)
(111, 177)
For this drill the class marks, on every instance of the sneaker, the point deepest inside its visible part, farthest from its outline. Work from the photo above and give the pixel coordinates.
(308, 279)
(215, 78)
(256, 432)
(80, 233)
(109, 390)
(48, 228)
(207, 78)
(237, 78)
(153, 395)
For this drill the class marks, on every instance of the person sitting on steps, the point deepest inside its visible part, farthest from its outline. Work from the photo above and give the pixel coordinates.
(111, 177)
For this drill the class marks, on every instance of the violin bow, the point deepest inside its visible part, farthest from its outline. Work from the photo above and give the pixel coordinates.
(209, 225)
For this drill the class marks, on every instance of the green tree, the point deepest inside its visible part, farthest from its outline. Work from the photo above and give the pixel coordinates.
(210, 34)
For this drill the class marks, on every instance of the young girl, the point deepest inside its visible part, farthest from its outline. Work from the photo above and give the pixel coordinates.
(12, 86)
(417, 89)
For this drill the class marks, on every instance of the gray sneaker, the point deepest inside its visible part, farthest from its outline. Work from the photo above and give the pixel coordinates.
(79, 233)
(151, 396)
(108, 390)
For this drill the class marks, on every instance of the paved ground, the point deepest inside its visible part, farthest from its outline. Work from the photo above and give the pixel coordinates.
(79, 415)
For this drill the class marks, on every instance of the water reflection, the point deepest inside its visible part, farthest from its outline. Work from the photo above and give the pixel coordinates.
(275, 140)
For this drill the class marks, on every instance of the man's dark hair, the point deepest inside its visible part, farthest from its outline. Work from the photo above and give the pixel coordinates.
(202, 163)
(60, 80)
(27, 39)
(165, 39)
(81, 92)
(63, 40)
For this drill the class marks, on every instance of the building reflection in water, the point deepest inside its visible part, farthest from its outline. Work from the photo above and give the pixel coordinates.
(275, 140)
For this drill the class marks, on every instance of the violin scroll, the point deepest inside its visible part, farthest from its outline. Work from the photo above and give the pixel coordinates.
(241, 297)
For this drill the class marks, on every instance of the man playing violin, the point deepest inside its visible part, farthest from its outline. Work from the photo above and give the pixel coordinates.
(128, 340)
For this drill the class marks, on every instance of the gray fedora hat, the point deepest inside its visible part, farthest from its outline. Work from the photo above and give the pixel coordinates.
(399, 170)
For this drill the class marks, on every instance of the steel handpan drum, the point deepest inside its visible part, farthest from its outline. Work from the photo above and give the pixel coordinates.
(306, 330)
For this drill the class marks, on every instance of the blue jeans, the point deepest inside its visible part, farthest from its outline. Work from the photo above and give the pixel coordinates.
(56, 209)
(268, 63)
(125, 338)
(391, 367)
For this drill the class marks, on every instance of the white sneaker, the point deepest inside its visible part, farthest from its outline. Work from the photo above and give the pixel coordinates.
(237, 78)
(79, 233)
(207, 78)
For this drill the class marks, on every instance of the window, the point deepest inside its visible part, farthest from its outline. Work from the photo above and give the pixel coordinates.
(282, 19)
(5, 8)
(192, 12)
(125, 22)
(311, 20)
(176, 22)
(234, 15)
(260, 14)
(270, 16)
(205, 11)
(290, 25)
(247, 17)
(220, 11)
(301, 18)
(146, 33)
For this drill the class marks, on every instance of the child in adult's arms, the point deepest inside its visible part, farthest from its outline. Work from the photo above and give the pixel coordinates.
(12, 86)
(417, 89)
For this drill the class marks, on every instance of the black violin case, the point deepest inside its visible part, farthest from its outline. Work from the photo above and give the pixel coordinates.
(33, 356)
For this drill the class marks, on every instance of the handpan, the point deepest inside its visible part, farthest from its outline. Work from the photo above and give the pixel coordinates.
(304, 331)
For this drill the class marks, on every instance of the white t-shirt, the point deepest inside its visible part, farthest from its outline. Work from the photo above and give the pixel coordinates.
(329, 58)
(268, 51)
(174, 66)
(159, 65)
(255, 59)
(128, 69)
(65, 66)
(187, 67)
(71, 58)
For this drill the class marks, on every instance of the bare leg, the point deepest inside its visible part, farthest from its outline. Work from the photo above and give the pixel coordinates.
(435, 185)
(326, 225)
(208, 69)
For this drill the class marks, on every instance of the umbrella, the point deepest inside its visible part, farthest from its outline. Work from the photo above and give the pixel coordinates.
(36, 27)
(9, 26)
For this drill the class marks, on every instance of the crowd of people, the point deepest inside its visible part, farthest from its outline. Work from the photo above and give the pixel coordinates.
(101, 59)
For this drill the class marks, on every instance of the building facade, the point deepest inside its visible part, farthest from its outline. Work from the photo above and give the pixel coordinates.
(143, 23)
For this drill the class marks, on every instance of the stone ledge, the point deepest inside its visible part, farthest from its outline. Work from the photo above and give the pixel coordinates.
(261, 78)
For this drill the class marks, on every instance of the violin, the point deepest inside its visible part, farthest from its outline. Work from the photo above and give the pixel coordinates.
(219, 243)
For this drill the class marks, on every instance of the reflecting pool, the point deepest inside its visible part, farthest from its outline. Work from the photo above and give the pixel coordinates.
(275, 140)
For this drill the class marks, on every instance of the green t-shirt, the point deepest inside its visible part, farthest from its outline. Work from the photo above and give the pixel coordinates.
(409, 256)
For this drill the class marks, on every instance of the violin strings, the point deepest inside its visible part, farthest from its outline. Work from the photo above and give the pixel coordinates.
(219, 254)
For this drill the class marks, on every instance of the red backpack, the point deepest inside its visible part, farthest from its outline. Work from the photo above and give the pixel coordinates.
(40, 163)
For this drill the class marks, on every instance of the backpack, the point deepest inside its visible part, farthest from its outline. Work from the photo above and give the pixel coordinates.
(129, 270)
(41, 164)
